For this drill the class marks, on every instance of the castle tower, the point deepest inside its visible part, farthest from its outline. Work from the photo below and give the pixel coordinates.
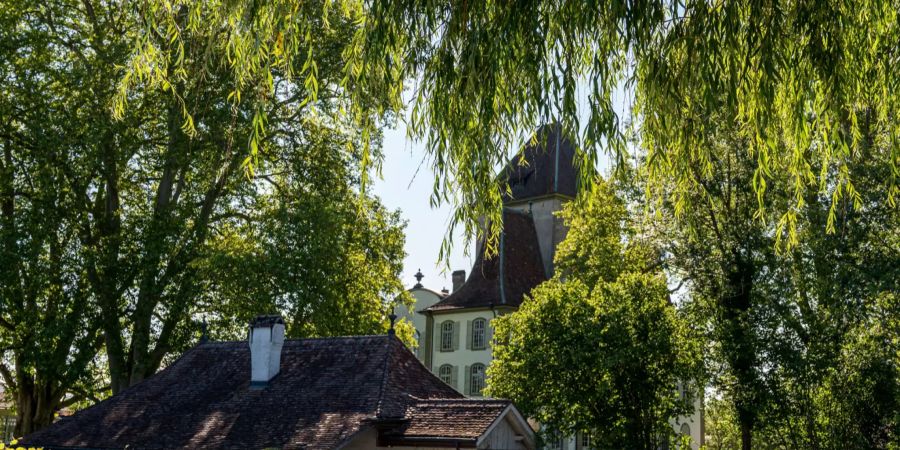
(540, 181)
(457, 344)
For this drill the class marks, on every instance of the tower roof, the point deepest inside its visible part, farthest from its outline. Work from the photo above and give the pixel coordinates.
(547, 169)
(522, 269)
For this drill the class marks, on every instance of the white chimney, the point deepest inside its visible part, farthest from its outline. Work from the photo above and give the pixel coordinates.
(266, 340)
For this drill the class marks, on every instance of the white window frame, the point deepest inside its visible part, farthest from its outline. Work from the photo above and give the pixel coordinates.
(557, 444)
(445, 373)
(447, 331)
(477, 379)
(479, 334)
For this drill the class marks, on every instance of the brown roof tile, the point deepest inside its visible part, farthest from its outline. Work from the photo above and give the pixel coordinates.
(522, 269)
(326, 391)
(454, 418)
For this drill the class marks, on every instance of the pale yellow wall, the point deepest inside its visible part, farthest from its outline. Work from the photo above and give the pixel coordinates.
(694, 421)
(461, 357)
(422, 298)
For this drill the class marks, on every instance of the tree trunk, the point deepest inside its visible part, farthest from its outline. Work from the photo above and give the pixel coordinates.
(33, 413)
(36, 403)
(746, 436)
(738, 344)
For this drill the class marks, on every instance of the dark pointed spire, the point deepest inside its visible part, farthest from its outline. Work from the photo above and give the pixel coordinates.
(204, 336)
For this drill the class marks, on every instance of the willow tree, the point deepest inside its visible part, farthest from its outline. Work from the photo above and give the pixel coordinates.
(481, 75)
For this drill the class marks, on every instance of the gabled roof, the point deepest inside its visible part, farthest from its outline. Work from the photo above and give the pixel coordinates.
(522, 269)
(327, 391)
(548, 167)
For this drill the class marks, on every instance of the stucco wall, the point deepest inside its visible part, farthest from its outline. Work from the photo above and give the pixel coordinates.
(694, 421)
(423, 298)
(461, 357)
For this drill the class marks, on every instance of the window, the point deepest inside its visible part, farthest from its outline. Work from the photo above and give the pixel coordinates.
(586, 440)
(479, 326)
(446, 373)
(447, 336)
(685, 429)
(476, 380)
(555, 443)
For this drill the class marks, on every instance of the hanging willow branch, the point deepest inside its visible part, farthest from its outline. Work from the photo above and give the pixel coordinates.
(795, 77)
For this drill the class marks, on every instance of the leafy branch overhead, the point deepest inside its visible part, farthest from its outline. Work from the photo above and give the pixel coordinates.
(801, 81)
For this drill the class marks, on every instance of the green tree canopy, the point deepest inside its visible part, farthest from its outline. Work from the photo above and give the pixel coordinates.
(120, 232)
(782, 325)
(600, 348)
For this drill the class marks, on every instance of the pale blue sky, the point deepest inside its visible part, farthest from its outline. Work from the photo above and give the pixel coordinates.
(405, 189)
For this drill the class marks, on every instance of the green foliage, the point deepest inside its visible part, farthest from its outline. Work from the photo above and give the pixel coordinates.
(122, 228)
(599, 347)
(314, 250)
(782, 323)
(800, 80)
(722, 429)
(796, 78)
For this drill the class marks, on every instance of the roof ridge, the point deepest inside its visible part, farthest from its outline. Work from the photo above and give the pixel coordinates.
(385, 374)
(462, 400)
(320, 338)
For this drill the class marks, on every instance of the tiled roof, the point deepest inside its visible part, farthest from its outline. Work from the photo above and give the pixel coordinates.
(456, 418)
(522, 269)
(548, 167)
(327, 390)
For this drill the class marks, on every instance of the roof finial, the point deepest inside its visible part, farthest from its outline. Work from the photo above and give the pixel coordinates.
(445, 291)
(204, 337)
(393, 318)
(530, 206)
(419, 277)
